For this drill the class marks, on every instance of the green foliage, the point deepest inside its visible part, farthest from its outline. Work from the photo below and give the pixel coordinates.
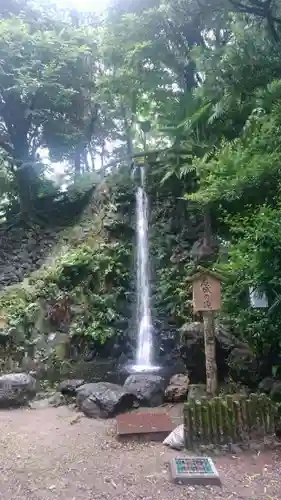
(46, 92)
(205, 76)
(173, 294)
(19, 311)
(74, 267)
(254, 261)
(86, 291)
(245, 166)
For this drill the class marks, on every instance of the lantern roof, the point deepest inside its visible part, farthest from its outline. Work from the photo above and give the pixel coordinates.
(202, 271)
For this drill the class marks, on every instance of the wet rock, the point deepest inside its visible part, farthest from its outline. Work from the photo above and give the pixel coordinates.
(194, 331)
(104, 400)
(123, 361)
(193, 352)
(69, 387)
(170, 366)
(235, 449)
(149, 388)
(177, 388)
(234, 358)
(197, 391)
(243, 366)
(16, 389)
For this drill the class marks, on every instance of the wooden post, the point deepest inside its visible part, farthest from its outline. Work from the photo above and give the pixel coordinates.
(210, 353)
(206, 287)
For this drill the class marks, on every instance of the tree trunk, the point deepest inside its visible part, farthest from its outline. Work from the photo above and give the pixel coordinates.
(210, 353)
(25, 174)
(25, 182)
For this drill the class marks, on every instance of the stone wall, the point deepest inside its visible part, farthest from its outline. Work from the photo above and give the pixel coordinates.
(24, 250)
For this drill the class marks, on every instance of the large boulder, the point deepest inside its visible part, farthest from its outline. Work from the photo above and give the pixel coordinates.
(243, 365)
(69, 387)
(177, 388)
(104, 400)
(171, 364)
(16, 389)
(193, 352)
(149, 388)
(234, 357)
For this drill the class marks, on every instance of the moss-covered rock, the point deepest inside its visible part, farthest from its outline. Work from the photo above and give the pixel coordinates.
(228, 419)
(80, 295)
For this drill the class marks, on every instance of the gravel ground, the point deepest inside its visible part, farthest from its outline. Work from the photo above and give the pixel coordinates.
(50, 454)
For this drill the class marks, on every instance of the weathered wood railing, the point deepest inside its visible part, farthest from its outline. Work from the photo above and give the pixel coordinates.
(226, 419)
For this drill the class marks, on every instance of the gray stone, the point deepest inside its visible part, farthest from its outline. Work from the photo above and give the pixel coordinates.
(104, 400)
(192, 331)
(235, 449)
(69, 387)
(16, 389)
(234, 357)
(193, 352)
(243, 366)
(170, 367)
(176, 367)
(149, 388)
(177, 388)
(197, 391)
(122, 360)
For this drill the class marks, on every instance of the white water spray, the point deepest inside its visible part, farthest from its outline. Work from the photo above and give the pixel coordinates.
(144, 360)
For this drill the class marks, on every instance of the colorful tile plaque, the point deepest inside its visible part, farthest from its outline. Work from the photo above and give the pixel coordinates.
(195, 470)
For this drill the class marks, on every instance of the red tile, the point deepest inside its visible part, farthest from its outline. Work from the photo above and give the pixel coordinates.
(154, 426)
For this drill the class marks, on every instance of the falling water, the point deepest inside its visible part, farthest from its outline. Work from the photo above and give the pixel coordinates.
(144, 321)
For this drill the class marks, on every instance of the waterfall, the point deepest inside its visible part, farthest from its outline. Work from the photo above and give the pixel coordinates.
(144, 358)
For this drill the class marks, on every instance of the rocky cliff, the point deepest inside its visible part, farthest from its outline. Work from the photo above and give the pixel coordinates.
(68, 287)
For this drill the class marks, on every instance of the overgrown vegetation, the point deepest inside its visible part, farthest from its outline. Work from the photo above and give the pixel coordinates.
(84, 292)
(197, 85)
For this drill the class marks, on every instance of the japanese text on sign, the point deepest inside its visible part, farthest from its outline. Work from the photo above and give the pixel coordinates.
(207, 293)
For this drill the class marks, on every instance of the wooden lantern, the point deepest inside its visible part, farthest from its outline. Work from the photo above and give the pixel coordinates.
(206, 288)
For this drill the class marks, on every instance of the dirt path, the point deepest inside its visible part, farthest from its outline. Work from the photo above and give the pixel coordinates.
(44, 456)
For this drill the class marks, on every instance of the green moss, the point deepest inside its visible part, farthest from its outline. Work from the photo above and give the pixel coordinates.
(82, 289)
(223, 420)
(89, 285)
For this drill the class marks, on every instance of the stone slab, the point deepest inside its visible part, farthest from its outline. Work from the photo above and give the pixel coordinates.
(144, 425)
(194, 470)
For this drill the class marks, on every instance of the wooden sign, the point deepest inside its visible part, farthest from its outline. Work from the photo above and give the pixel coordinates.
(206, 287)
